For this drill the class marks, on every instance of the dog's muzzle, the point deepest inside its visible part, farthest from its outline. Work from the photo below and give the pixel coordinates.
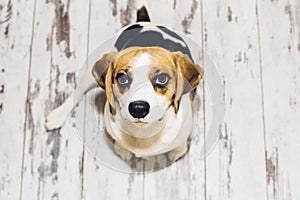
(139, 109)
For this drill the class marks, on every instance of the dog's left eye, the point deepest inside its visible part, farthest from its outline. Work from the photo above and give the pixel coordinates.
(161, 80)
(122, 78)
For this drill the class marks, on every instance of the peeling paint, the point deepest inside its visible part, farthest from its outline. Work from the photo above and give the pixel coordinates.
(293, 100)
(238, 57)
(126, 15)
(272, 170)
(236, 19)
(227, 142)
(205, 35)
(2, 89)
(49, 40)
(81, 172)
(5, 15)
(130, 181)
(245, 58)
(62, 25)
(187, 21)
(6, 31)
(54, 139)
(229, 14)
(288, 10)
(71, 77)
(55, 196)
(41, 171)
(224, 90)
(249, 46)
(30, 120)
(36, 90)
(30, 124)
(115, 8)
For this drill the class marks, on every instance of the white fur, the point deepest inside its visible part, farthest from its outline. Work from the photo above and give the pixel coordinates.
(141, 89)
(143, 60)
(174, 131)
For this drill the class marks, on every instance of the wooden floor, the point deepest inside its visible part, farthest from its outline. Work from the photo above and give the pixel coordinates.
(255, 46)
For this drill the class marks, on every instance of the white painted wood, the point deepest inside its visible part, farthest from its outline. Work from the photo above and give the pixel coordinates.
(185, 178)
(53, 161)
(101, 181)
(236, 169)
(15, 38)
(280, 64)
(256, 49)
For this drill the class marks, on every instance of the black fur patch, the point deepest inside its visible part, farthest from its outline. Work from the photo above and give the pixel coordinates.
(134, 36)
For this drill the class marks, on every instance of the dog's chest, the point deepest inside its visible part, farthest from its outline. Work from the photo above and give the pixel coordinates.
(176, 130)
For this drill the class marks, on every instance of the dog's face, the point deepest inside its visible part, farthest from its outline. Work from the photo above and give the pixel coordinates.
(142, 83)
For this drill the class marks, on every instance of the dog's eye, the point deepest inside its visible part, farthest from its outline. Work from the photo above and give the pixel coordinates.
(122, 78)
(161, 80)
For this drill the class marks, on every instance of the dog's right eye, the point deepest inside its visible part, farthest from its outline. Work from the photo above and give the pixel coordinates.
(123, 79)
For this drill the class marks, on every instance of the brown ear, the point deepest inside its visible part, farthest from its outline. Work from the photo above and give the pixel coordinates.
(189, 76)
(102, 72)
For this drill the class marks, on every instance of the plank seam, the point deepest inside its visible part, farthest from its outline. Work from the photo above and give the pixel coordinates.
(28, 95)
(84, 124)
(203, 94)
(261, 90)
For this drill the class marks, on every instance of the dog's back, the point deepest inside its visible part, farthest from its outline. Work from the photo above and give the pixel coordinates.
(146, 34)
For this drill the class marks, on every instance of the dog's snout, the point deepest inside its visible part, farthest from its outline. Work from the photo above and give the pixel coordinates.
(139, 109)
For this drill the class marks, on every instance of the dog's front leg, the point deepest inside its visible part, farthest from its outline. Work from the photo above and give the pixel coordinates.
(178, 152)
(122, 152)
(57, 117)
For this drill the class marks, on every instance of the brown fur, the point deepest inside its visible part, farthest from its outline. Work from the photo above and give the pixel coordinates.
(185, 75)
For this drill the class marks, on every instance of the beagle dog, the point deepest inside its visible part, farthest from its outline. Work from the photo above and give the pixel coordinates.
(149, 81)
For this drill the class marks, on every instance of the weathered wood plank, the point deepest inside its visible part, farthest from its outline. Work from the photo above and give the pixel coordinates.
(53, 161)
(185, 178)
(15, 36)
(236, 169)
(102, 182)
(280, 66)
(256, 50)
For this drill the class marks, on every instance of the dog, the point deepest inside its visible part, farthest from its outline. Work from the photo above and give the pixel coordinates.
(150, 82)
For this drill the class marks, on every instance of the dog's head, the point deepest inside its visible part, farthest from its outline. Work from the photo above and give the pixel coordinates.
(142, 83)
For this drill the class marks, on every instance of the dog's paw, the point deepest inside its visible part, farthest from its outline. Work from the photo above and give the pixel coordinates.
(55, 119)
(123, 153)
(177, 153)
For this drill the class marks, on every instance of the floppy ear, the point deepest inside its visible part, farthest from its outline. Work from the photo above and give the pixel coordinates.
(188, 75)
(102, 72)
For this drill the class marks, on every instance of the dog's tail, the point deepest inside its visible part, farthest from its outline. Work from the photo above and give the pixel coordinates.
(142, 15)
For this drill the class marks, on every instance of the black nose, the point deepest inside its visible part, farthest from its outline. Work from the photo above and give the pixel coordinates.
(139, 109)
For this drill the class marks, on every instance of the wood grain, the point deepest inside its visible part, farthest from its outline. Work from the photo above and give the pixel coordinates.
(280, 68)
(52, 161)
(184, 179)
(255, 46)
(16, 20)
(237, 169)
(103, 182)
